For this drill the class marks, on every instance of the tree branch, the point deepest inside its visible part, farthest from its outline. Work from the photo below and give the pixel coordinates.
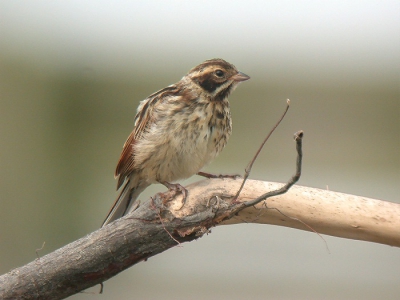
(141, 234)
(161, 223)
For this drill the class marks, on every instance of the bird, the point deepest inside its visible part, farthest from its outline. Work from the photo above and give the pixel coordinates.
(177, 131)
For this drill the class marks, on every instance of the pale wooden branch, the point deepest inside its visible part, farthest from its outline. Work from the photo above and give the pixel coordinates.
(327, 212)
(141, 234)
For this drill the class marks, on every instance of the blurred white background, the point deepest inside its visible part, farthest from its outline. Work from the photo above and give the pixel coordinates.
(73, 72)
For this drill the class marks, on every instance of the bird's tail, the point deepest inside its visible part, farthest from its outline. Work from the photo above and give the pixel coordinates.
(124, 201)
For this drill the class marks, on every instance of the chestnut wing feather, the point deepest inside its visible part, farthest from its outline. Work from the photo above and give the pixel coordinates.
(143, 121)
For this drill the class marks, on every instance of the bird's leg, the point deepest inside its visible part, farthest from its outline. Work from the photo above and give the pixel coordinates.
(209, 175)
(176, 187)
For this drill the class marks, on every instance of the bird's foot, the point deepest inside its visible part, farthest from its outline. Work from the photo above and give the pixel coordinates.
(177, 188)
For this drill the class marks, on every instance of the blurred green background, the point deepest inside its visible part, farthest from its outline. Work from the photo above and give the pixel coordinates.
(72, 74)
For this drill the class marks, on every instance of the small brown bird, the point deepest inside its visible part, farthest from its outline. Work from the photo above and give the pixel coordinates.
(178, 130)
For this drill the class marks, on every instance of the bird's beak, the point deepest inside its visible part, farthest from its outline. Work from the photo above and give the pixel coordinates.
(240, 77)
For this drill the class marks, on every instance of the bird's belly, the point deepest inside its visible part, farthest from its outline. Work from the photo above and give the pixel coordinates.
(182, 153)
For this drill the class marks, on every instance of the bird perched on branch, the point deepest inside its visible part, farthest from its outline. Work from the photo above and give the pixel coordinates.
(178, 130)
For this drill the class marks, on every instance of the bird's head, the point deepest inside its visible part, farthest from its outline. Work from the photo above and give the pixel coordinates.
(217, 77)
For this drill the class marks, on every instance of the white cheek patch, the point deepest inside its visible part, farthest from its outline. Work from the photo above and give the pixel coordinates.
(221, 88)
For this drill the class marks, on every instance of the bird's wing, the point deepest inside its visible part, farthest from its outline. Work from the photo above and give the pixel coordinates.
(143, 121)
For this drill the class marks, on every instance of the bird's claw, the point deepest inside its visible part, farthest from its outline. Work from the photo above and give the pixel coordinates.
(177, 188)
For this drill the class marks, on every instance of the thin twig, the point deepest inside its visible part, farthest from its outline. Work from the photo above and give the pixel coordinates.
(250, 165)
(298, 137)
(161, 221)
(302, 222)
(40, 249)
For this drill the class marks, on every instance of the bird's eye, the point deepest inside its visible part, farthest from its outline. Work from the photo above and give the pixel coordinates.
(219, 73)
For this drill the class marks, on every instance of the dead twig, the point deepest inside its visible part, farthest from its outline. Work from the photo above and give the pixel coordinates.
(250, 165)
(40, 249)
(298, 137)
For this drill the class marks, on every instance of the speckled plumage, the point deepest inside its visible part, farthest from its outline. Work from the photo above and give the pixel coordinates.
(178, 130)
